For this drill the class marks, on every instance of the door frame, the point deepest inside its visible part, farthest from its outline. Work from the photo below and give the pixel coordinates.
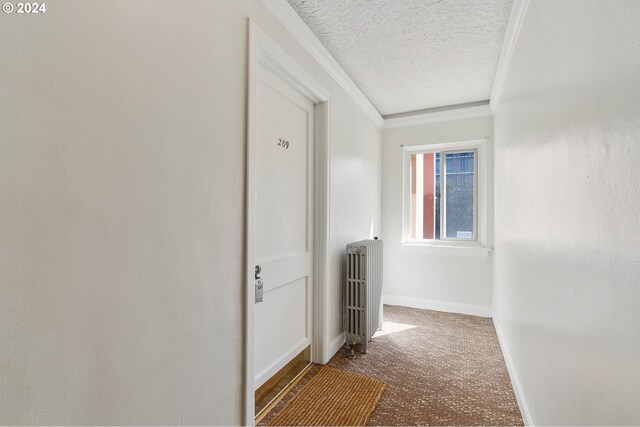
(264, 51)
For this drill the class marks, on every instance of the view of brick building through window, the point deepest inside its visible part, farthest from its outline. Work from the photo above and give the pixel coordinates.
(431, 207)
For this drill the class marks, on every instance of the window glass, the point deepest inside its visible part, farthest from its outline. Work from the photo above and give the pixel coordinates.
(437, 197)
(459, 195)
(429, 209)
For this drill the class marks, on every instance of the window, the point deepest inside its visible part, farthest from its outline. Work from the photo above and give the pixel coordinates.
(441, 193)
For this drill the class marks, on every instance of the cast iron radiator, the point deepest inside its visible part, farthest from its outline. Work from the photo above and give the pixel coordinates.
(362, 314)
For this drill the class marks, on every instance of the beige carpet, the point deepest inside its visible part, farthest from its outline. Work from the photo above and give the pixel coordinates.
(333, 397)
(439, 368)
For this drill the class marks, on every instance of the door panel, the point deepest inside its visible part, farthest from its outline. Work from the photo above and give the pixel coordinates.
(281, 172)
(284, 223)
(277, 349)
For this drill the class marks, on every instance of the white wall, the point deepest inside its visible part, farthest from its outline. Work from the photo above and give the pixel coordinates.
(567, 258)
(122, 184)
(355, 194)
(432, 278)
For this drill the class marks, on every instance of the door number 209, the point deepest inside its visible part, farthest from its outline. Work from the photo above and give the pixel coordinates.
(283, 143)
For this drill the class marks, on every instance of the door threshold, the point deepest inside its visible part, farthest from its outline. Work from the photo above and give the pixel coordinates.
(274, 389)
(269, 406)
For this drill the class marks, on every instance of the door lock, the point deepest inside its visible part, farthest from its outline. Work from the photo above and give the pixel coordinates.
(258, 285)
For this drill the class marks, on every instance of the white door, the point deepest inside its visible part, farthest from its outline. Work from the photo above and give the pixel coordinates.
(284, 223)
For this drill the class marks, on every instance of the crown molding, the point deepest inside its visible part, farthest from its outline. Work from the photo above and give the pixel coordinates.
(516, 19)
(301, 32)
(438, 116)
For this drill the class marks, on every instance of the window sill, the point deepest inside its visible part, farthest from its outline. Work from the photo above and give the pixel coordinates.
(445, 249)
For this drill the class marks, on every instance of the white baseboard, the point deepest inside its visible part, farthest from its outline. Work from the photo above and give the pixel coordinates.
(448, 307)
(335, 345)
(524, 409)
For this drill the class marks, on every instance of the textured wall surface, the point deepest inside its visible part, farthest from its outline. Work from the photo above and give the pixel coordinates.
(567, 258)
(407, 55)
(429, 275)
(122, 165)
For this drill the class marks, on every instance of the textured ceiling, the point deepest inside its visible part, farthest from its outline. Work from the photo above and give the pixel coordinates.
(409, 55)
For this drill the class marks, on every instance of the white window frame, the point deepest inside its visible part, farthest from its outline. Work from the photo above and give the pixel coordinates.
(480, 205)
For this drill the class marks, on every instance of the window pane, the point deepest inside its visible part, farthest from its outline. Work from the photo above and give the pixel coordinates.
(459, 195)
(428, 196)
(423, 196)
(412, 194)
(437, 197)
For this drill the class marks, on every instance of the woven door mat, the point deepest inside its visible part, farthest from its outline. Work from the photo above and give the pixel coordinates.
(333, 397)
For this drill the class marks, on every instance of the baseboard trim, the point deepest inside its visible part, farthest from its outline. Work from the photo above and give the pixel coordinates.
(448, 307)
(522, 403)
(335, 345)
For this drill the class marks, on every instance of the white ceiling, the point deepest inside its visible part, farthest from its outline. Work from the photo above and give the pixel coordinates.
(410, 55)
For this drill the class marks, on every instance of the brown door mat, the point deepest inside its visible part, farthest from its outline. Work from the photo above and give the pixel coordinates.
(333, 397)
